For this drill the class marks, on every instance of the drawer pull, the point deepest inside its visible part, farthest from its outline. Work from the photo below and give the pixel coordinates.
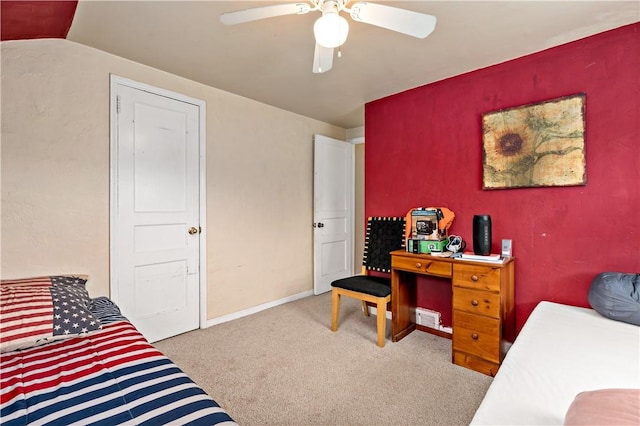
(474, 336)
(418, 265)
(474, 278)
(474, 302)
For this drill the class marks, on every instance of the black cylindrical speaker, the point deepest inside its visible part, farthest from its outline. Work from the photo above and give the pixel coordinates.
(482, 234)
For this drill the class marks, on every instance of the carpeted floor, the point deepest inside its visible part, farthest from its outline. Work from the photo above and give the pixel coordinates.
(284, 366)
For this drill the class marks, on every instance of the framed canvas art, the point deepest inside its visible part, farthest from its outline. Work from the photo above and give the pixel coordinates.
(541, 144)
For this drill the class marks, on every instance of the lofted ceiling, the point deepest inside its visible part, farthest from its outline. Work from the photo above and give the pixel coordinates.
(271, 60)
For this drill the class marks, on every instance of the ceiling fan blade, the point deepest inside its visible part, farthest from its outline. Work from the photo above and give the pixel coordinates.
(404, 21)
(248, 15)
(322, 59)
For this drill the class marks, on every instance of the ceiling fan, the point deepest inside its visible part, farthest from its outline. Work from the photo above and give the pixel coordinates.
(331, 29)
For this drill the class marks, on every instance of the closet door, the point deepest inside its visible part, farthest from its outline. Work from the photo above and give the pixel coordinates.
(156, 225)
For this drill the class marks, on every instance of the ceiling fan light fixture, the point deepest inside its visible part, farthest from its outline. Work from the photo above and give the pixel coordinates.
(331, 30)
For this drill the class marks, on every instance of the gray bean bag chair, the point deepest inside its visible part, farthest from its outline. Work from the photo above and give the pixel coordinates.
(616, 295)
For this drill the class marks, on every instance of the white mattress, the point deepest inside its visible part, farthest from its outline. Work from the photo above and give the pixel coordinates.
(561, 351)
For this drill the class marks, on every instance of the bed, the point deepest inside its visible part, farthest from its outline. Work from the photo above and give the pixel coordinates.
(71, 360)
(563, 351)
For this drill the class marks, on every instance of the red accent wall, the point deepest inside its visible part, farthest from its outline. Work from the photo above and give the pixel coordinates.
(424, 148)
(30, 19)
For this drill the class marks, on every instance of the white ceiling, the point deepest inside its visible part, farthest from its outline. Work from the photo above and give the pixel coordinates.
(270, 60)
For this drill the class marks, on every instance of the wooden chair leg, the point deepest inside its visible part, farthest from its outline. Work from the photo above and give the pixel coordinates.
(365, 308)
(381, 320)
(335, 309)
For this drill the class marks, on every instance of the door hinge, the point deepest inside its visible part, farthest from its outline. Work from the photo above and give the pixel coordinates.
(117, 104)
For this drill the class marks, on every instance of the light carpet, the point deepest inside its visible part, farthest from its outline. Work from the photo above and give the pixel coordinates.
(284, 366)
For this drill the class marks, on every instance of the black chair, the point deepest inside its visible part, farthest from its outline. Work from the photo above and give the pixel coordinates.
(384, 234)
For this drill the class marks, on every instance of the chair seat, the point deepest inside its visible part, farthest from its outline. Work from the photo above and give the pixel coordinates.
(374, 286)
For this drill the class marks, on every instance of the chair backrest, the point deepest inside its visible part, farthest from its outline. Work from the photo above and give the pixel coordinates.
(384, 234)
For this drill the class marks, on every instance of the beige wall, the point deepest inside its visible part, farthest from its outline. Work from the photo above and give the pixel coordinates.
(55, 176)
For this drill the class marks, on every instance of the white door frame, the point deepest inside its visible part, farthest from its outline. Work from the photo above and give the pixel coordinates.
(116, 81)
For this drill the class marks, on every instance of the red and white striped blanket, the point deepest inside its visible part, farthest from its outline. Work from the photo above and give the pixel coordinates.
(107, 377)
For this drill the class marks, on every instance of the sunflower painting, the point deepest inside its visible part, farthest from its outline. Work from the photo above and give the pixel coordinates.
(535, 145)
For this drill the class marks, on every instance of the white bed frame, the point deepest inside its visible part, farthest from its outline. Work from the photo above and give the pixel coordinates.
(561, 350)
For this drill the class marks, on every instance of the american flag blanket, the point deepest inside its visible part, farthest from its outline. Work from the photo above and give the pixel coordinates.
(36, 311)
(107, 377)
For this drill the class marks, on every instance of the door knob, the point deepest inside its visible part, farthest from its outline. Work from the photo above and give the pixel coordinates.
(193, 230)
(320, 225)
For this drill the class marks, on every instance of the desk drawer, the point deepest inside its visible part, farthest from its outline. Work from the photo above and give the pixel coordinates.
(422, 265)
(476, 335)
(476, 301)
(477, 276)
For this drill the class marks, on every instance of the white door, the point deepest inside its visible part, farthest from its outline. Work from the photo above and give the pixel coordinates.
(156, 212)
(333, 204)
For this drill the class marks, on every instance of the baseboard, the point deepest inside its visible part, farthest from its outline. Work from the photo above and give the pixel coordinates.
(374, 311)
(255, 309)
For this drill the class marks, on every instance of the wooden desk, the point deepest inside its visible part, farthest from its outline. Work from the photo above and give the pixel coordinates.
(483, 306)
